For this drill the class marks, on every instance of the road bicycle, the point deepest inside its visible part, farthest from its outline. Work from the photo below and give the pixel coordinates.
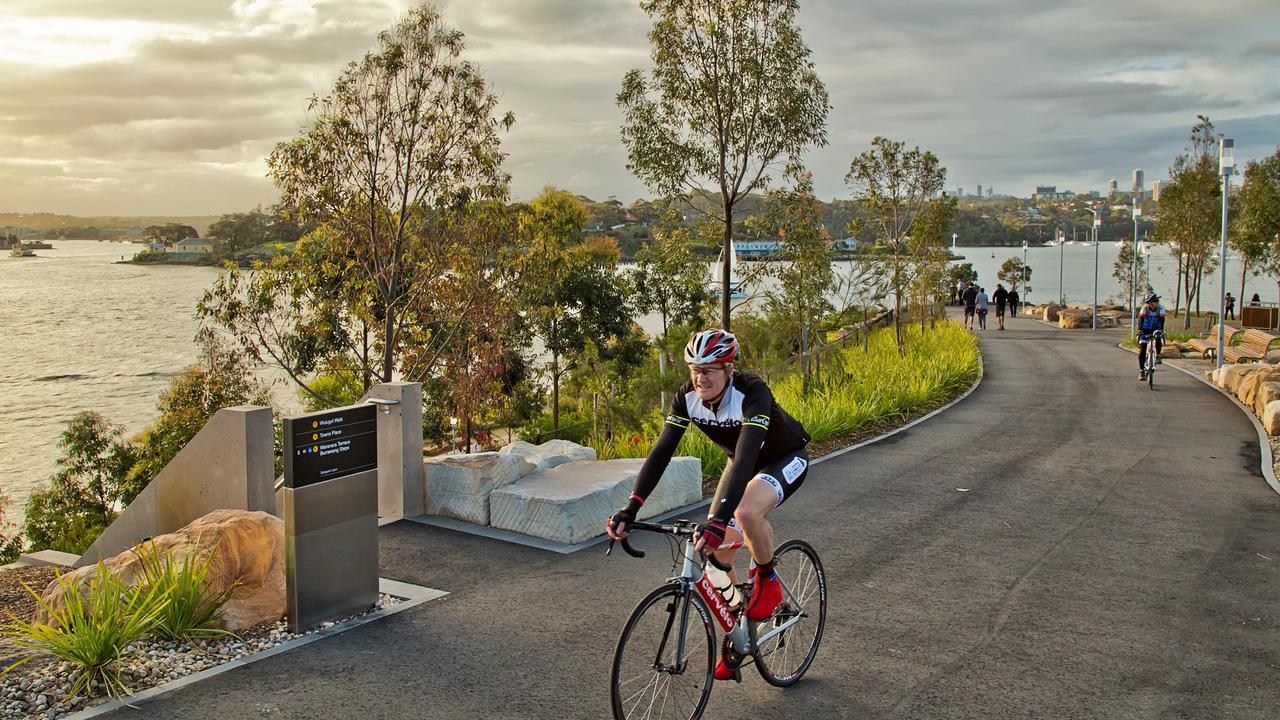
(1150, 367)
(663, 665)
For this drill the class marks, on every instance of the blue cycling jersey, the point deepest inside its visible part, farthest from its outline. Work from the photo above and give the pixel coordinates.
(1150, 320)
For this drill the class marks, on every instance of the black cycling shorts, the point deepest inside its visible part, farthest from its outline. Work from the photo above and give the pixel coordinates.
(785, 475)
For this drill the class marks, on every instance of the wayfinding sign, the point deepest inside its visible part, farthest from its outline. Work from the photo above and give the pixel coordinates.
(330, 444)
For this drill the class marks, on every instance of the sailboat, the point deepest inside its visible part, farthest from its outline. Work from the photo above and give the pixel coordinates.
(736, 291)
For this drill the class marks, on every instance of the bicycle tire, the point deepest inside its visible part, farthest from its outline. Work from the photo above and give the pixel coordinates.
(804, 584)
(1151, 379)
(700, 661)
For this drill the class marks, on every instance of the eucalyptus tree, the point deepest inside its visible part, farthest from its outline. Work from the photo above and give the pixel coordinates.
(1255, 227)
(1189, 215)
(668, 280)
(732, 97)
(896, 188)
(408, 131)
(802, 268)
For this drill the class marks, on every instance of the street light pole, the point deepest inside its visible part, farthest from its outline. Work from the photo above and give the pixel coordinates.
(1226, 163)
(1133, 271)
(1062, 298)
(1095, 268)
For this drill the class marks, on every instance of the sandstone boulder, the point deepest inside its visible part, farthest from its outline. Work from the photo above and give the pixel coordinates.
(551, 453)
(1267, 393)
(1072, 319)
(1271, 418)
(1171, 352)
(1229, 377)
(1050, 313)
(458, 485)
(247, 548)
(1249, 386)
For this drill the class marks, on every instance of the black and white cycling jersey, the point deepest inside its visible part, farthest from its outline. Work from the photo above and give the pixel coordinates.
(747, 423)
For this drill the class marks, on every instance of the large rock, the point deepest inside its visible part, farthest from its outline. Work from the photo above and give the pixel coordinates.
(1229, 377)
(458, 486)
(1251, 384)
(551, 453)
(1271, 418)
(1050, 313)
(1264, 395)
(570, 502)
(1171, 352)
(247, 547)
(1073, 319)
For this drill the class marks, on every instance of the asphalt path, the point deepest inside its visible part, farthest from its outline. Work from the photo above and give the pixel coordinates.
(1116, 555)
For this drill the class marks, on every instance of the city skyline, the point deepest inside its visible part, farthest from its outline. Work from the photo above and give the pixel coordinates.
(139, 109)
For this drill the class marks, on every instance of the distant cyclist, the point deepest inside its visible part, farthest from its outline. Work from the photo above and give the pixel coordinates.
(1150, 324)
(767, 462)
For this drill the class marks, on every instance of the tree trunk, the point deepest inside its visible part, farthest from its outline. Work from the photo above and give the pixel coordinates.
(725, 265)
(1244, 270)
(897, 304)
(468, 433)
(1177, 285)
(555, 392)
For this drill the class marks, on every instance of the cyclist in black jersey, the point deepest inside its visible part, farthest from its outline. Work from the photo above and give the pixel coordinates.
(768, 461)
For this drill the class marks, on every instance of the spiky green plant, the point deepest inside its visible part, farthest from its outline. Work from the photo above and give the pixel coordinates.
(189, 615)
(93, 630)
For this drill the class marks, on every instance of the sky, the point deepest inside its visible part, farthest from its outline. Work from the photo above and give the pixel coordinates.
(139, 107)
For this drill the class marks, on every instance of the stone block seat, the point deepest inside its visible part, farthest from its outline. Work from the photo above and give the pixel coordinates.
(568, 503)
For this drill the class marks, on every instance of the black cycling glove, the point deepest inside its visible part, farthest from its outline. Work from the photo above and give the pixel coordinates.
(627, 514)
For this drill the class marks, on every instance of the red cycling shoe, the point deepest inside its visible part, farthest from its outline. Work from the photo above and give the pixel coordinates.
(764, 598)
(722, 672)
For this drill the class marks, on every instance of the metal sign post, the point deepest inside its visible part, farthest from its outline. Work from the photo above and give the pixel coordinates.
(330, 504)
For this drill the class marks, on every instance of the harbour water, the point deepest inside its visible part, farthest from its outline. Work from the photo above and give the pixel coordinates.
(78, 331)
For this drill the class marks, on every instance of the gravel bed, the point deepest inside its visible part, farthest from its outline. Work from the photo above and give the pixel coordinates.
(38, 689)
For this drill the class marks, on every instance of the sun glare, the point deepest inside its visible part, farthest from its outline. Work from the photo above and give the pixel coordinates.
(53, 42)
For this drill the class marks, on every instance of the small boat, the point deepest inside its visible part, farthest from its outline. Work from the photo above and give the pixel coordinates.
(993, 254)
(736, 291)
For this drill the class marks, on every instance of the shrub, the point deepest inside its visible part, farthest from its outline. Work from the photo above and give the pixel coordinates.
(188, 615)
(92, 631)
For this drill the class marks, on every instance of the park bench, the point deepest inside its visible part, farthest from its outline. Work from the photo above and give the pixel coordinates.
(1253, 346)
(1208, 346)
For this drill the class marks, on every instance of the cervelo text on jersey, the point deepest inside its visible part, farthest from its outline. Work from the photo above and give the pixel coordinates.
(747, 402)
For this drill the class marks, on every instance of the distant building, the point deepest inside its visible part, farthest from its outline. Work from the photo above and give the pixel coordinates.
(758, 248)
(1050, 192)
(979, 192)
(1137, 181)
(192, 245)
(1113, 187)
(155, 247)
(1155, 190)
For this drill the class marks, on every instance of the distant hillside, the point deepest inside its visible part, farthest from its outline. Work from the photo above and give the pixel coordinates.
(50, 221)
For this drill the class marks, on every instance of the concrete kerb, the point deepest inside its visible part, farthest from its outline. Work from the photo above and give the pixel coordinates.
(1264, 440)
(411, 596)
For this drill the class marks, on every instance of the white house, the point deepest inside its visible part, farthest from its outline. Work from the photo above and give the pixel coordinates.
(192, 245)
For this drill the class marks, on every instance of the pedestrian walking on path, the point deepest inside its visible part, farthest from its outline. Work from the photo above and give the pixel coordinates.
(982, 305)
(1013, 301)
(970, 305)
(1001, 296)
(1231, 307)
(960, 287)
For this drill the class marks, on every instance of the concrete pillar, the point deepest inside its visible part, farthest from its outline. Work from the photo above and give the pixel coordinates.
(229, 464)
(400, 472)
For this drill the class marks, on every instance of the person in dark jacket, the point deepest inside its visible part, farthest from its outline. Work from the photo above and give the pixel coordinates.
(970, 305)
(1001, 296)
(1013, 301)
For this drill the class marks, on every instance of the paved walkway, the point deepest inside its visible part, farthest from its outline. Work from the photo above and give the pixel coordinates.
(1117, 555)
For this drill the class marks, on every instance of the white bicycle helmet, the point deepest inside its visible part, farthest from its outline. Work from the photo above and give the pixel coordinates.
(711, 347)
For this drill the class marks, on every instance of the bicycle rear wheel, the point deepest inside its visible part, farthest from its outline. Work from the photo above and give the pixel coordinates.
(1151, 375)
(783, 658)
(651, 679)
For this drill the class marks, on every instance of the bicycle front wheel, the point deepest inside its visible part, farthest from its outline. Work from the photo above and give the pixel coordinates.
(788, 642)
(665, 657)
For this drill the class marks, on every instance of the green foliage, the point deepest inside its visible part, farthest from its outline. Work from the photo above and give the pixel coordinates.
(1122, 271)
(84, 493)
(169, 233)
(235, 232)
(187, 615)
(898, 188)
(863, 389)
(408, 131)
(1013, 273)
(733, 95)
(1255, 211)
(92, 631)
(665, 281)
(223, 377)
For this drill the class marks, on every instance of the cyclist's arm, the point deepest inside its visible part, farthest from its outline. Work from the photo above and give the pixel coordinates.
(1160, 319)
(755, 424)
(662, 451)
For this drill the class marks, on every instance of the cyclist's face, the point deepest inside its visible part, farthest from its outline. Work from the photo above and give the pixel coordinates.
(708, 380)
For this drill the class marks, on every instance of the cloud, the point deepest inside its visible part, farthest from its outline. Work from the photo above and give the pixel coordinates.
(172, 106)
